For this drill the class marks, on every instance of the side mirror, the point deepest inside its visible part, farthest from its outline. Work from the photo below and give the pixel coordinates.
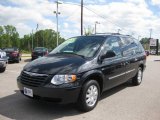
(109, 54)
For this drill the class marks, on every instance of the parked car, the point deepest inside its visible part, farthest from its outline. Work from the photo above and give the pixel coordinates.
(3, 61)
(13, 54)
(147, 52)
(82, 68)
(39, 52)
(153, 52)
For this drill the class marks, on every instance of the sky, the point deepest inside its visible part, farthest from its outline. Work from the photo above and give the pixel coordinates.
(132, 17)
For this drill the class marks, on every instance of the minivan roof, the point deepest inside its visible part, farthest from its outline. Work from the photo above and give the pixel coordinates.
(110, 34)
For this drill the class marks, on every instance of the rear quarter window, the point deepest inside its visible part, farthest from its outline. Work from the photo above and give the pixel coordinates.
(131, 46)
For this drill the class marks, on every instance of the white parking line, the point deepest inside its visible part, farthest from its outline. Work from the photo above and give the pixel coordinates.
(13, 71)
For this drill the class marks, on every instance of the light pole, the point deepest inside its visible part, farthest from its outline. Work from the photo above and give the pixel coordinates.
(81, 17)
(96, 26)
(57, 13)
(32, 39)
(150, 30)
(37, 33)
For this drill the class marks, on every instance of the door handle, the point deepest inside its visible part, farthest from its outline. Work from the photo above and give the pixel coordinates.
(135, 59)
(127, 63)
(123, 64)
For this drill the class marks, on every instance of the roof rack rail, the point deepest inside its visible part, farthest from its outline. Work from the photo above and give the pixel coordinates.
(107, 34)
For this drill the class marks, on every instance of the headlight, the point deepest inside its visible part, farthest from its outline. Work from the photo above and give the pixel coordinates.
(61, 79)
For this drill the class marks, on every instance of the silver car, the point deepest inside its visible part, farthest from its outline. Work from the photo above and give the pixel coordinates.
(3, 61)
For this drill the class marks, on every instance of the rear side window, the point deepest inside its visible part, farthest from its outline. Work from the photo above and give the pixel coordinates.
(113, 43)
(139, 46)
(126, 41)
(131, 46)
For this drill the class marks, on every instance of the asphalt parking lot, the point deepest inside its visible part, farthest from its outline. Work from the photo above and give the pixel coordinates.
(124, 102)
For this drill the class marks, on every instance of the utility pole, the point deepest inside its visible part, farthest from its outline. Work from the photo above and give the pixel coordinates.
(32, 39)
(57, 13)
(43, 37)
(150, 30)
(96, 26)
(37, 34)
(81, 17)
(139, 37)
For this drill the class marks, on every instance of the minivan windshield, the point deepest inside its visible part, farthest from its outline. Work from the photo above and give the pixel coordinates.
(86, 46)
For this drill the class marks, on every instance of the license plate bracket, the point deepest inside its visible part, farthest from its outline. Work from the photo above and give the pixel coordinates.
(28, 92)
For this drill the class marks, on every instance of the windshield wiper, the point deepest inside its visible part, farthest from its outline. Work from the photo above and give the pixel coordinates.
(70, 53)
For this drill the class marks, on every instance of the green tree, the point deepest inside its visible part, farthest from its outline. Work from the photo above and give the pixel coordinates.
(9, 37)
(1, 34)
(47, 38)
(145, 43)
(89, 30)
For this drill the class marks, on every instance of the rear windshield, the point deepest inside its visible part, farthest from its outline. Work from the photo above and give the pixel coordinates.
(39, 49)
(10, 49)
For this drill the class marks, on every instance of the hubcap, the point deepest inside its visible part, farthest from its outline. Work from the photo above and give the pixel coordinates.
(139, 76)
(91, 95)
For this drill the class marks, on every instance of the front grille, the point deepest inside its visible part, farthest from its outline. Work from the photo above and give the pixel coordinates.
(33, 79)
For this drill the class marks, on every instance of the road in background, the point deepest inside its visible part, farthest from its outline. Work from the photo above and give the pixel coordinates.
(124, 102)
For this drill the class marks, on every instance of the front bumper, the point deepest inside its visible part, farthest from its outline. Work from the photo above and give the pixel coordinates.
(11, 58)
(63, 95)
(36, 57)
(3, 63)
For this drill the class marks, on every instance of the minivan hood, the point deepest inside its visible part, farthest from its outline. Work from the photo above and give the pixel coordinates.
(55, 64)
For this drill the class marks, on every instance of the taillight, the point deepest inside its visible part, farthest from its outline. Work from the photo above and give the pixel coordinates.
(46, 53)
(32, 53)
(145, 56)
(15, 54)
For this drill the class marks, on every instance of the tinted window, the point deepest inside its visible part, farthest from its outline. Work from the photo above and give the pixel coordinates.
(40, 49)
(10, 49)
(139, 47)
(113, 43)
(86, 46)
(131, 47)
(126, 41)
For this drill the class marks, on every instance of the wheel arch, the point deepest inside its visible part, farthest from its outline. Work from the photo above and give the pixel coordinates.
(94, 75)
(142, 66)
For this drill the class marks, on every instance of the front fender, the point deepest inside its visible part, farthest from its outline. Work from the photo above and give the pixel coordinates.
(92, 74)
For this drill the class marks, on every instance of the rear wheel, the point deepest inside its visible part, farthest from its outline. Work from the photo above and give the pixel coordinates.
(2, 70)
(137, 80)
(89, 96)
(18, 60)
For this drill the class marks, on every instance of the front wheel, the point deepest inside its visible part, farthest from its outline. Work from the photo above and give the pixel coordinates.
(89, 96)
(137, 80)
(2, 70)
(18, 60)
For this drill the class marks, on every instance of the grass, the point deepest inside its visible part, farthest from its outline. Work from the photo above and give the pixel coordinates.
(26, 52)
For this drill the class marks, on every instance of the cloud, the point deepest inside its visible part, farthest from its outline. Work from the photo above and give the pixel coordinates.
(27, 12)
(66, 25)
(128, 15)
(156, 2)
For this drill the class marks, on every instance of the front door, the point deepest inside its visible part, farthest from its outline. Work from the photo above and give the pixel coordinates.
(113, 68)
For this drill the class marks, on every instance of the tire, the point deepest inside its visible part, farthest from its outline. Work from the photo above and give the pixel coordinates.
(18, 60)
(137, 79)
(89, 96)
(2, 70)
